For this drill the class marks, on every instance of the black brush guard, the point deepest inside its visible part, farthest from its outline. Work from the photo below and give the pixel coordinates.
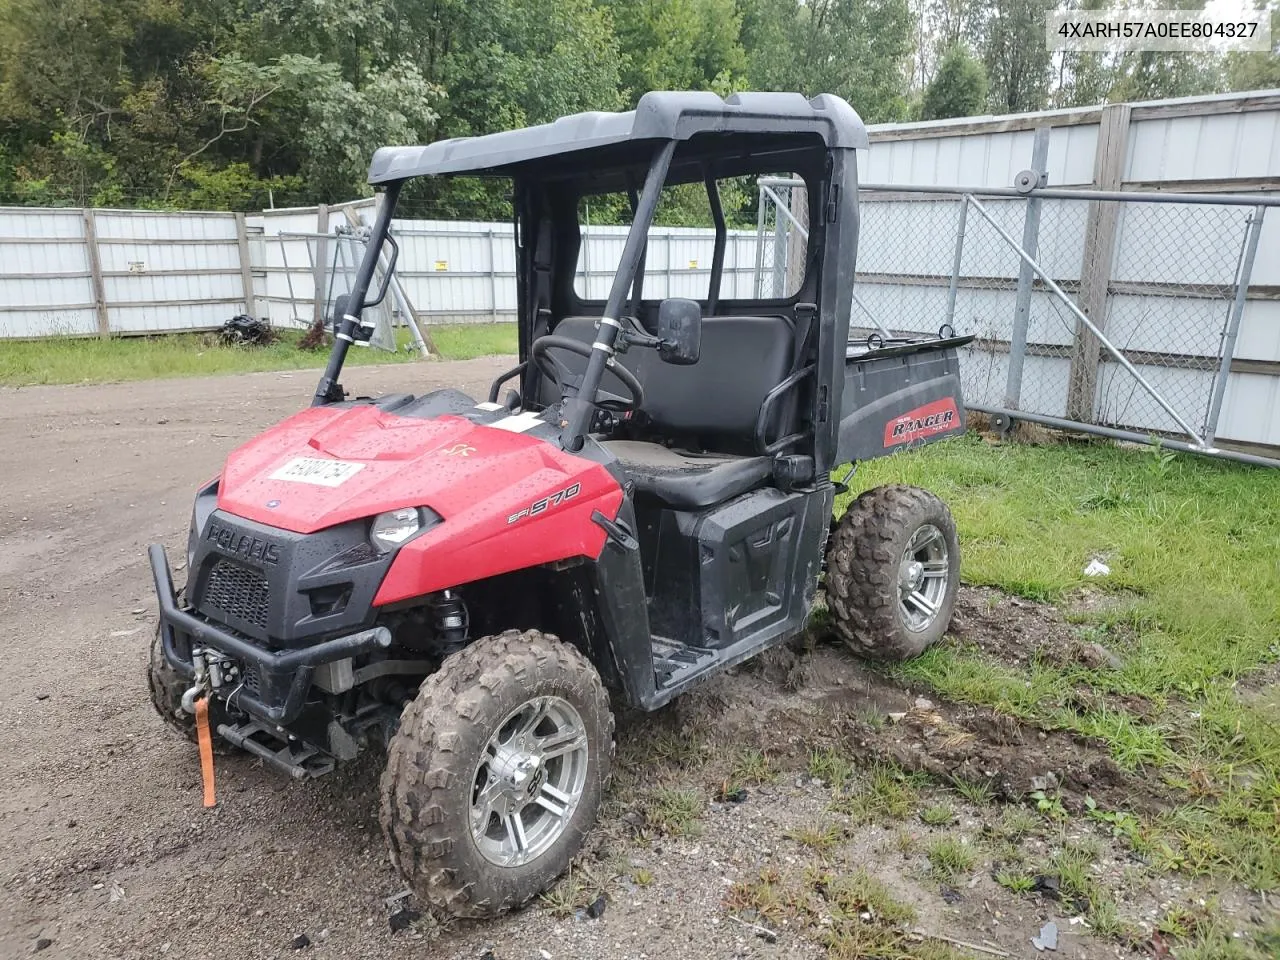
(284, 677)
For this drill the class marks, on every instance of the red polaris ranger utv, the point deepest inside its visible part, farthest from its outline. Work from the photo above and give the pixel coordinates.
(460, 583)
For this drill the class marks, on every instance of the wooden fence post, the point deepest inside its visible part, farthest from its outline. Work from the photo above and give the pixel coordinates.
(320, 268)
(95, 273)
(246, 267)
(1095, 266)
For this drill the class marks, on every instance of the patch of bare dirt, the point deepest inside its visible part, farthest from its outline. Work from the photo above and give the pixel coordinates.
(824, 696)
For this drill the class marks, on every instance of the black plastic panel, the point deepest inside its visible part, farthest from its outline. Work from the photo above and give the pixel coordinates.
(899, 400)
(742, 570)
(282, 588)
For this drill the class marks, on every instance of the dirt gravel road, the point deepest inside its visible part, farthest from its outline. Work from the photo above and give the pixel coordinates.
(107, 853)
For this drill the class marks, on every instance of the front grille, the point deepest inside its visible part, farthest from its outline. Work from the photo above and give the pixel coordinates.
(237, 591)
(252, 679)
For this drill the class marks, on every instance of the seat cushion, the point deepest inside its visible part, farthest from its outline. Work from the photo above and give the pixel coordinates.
(687, 481)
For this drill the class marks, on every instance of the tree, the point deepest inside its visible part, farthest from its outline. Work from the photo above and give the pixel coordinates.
(958, 89)
(677, 44)
(1149, 75)
(1019, 64)
(941, 24)
(858, 49)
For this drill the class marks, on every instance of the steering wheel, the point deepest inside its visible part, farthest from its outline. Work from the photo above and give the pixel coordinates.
(560, 374)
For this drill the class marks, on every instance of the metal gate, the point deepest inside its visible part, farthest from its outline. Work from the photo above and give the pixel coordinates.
(1111, 312)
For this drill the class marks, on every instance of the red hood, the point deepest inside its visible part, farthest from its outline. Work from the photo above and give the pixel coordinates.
(447, 463)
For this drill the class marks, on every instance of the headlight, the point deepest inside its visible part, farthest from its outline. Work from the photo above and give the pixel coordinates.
(394, 527)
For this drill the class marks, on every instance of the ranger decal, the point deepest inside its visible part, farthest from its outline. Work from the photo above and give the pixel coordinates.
(941, 416)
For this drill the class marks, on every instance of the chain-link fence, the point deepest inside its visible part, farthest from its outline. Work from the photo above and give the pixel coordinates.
(1111, 312)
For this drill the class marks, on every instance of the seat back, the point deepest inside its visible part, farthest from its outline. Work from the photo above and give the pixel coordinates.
(742, 359)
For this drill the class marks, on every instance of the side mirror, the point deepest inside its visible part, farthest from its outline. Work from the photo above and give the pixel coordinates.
(341, 307)
(338, 309)
(679, 331)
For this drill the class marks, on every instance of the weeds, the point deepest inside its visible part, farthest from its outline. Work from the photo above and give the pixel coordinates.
(1049, 804)
(569, 894)
(753, 767)
(855, 916)
(675, 811)
(1016, 881)
(977, 792)
(684, 752)
(819, 838)
(1017, 823)
(937, 815)
(949, 858)
(889, 794)
(832, 768)
(772, 900)
(1072, 865)
(1122, 823)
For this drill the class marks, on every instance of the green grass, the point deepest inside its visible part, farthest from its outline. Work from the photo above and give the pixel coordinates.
(92, 360)
(462, 341)
(675, 811)
(1016, 881)
(950, 858)
(753, 767)
(888, 794)
(1192, 605)
(937, 814)
(819, 837)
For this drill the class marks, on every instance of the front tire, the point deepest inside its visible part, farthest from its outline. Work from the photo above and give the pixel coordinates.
(166, 696)
(496, 773)
(893, 572)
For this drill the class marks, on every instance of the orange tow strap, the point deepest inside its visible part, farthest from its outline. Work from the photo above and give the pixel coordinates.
(206, 750)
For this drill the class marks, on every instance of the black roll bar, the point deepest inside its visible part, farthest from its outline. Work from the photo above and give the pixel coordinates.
(579, 410)
(328, 390)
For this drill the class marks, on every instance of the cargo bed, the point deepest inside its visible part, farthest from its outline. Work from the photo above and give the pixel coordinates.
(899, 394)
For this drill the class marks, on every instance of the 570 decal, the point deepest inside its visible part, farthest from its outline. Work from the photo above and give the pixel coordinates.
(538, 506)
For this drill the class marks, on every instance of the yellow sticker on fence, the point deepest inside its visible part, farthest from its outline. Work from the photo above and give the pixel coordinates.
(693, 264)
(442, 266)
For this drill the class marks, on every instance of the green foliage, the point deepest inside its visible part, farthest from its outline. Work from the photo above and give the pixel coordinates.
(678, 44)
(958, 89)
(236, 103)
(1018, 62)
(233, 187)
(858, 49)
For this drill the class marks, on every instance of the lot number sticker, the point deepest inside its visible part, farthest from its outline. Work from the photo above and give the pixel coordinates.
(321, 473)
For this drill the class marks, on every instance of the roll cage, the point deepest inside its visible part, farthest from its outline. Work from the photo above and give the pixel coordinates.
(669, 139)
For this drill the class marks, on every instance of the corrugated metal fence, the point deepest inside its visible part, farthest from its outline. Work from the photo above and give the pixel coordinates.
(86, 272)
(76, 272)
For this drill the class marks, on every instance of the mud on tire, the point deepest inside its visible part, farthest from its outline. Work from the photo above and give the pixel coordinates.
(441, 760)
(868, 568)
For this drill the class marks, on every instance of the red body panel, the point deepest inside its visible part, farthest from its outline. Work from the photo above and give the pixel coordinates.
(476, 477)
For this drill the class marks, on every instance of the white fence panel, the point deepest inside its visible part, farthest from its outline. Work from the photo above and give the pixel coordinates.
(45, 284)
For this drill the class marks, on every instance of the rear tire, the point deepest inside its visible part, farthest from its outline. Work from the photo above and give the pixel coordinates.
(166, 696)
(514, 725)
(893, 571)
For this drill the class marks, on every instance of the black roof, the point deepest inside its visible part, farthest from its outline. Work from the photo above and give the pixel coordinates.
(658, 116)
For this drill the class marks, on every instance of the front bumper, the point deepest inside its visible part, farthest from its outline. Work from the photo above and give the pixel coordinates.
(284, 677)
